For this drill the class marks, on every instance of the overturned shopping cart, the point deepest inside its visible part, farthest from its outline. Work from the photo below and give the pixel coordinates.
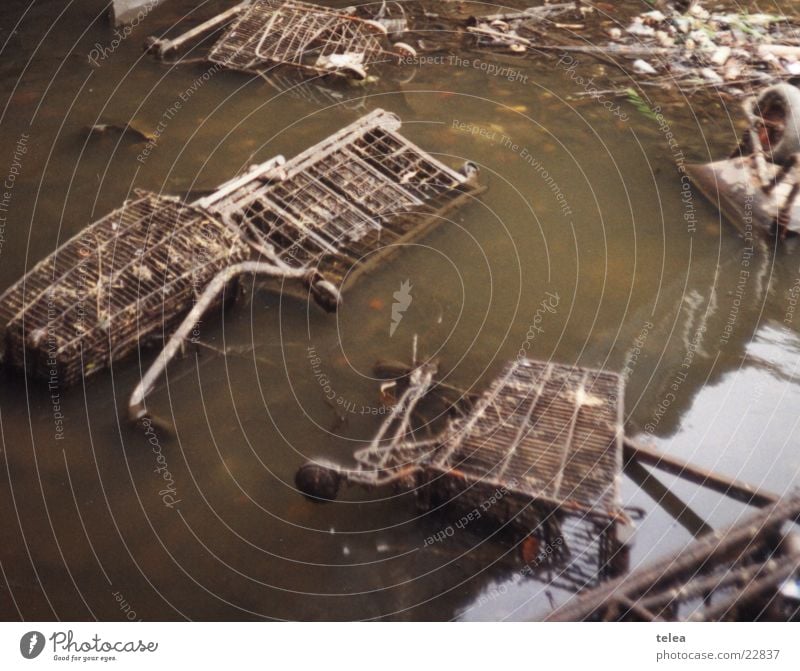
(266, 33)
(546, 437)
(322, 217)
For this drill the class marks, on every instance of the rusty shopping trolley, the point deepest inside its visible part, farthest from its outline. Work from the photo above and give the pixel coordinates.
(543, 445)
(322, 217)
(265, 33)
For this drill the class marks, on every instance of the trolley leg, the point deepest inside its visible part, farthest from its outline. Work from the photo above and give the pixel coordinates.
(137, 409)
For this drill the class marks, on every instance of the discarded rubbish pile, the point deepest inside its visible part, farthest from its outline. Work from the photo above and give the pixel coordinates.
(547, 437)
(757, 187)
(266, 33)
(134, 273)
(735, 52)
(750, 571)
(732, 51)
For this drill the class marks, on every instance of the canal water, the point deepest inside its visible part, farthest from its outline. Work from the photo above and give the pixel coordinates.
(585, 212)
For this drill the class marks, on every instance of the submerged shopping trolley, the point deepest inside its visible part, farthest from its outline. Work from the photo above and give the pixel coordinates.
(540, 451)
(266, 33)
(322, 217)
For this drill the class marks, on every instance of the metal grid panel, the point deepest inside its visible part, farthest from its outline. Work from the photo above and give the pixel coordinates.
(127, 276)
(296, 33)
(548, 431)
(342, 200)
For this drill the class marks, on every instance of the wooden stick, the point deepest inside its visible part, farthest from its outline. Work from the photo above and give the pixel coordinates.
(735, 489)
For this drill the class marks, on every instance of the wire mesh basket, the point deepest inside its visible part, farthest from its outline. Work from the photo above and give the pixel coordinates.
(125, 278)
(338, 204)
(261, 34)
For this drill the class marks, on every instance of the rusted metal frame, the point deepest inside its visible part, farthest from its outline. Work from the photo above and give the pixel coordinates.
(269, 169)
(140, 299)
(759, 526)
(50, 259)
(75, 268)
(292, 33)
(349, 27)
(731, 487)
(160, 245)
(458, 178)
(429, 219)
(365, 163)
(453, 442)
(342, 200)
(568, 444)
(299, 226)
(400, 418)
(377, 119)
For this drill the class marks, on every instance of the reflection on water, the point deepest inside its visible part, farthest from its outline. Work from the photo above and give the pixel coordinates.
(580, 204)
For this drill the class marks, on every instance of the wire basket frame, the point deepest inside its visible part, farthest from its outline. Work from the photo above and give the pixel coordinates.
(539, 453)
(288, 32)
(344, 203)
(124, 279)
(545, 432)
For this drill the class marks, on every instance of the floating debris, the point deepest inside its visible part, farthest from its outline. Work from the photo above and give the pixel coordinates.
(694, 48)
(729, 51)
(130, 129)
(133, 274)
(515, 30)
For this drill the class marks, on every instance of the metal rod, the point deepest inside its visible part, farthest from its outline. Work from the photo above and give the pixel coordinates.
(164, 46)
(136, 404)
(735, 489)
(667, 500)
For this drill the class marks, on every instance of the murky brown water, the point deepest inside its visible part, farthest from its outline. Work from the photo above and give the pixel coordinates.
(84, 519)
